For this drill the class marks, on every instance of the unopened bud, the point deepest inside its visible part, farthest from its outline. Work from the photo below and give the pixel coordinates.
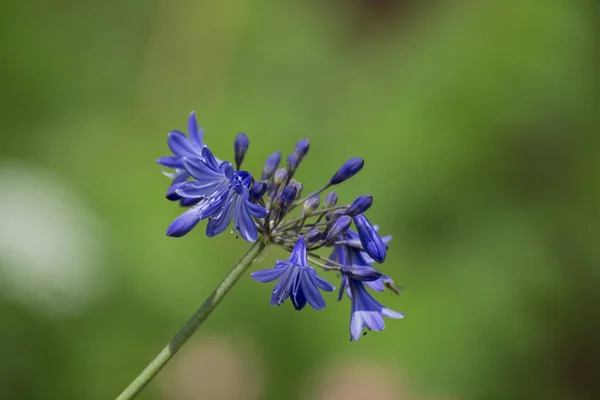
(280, 176)
(271, 165)
(330, 200)
(361, 272)
(339, 227)
(240, 146)
(348, 170)
(311, 205)
(360, 205)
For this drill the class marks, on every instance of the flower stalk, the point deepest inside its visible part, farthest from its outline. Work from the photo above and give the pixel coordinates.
(136, 386)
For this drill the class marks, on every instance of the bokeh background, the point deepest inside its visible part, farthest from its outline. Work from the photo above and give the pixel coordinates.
(477, 122)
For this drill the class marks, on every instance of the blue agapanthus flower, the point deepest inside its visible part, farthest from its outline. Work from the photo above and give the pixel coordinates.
(296, 280)
(263, 210)
(221, 194)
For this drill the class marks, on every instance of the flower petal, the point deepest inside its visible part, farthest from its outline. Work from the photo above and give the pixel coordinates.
(391, 314)
(298, 256)
(209, 158)
(256, 210)
(184, 223)
(313, 296)
(202, 171)
(267, 275)
(195, 135)
(219, 223)
(197, 189)
(171, 161)
(179, 144)
(244, 223)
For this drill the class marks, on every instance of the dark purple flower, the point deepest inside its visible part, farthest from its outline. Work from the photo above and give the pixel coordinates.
(296, 279)
(183, 146)
(348, 170)
(222, 195)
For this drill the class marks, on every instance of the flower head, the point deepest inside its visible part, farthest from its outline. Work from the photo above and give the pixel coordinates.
(261, 210)
(222, 195)
(296, 280)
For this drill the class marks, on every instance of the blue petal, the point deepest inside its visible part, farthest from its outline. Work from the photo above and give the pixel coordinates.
(298, 297)
(172, 192)
(267, 275)
(219, 223)
(313, 296)
(189, 202)
(283, 287)
(179, 144)
(202, 171)
(244, 223)
(256, 210)
(322, 283)
(298, 256)
(171, 161)
(198, 189)
(209, 158)
(195, 135)
(184, 223)
(211, 207)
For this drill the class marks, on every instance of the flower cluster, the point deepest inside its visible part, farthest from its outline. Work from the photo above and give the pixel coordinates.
(273, 210)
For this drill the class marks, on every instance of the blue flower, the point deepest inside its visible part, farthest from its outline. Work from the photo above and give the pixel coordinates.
(183, 146)
(297, 280)
(366, 311)
(221, 194)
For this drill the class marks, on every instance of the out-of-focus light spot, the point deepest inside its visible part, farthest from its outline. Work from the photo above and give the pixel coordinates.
(215, 368)
(51, 244)
(358, 381)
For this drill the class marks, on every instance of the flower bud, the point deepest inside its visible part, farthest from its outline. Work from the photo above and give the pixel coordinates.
(280, 176)
(271, 165)
(240, 146)
(361, 272)
(257, 191)
(313, 236)
(334, 215)
(360, 205)
(288, 195)
(370, 240)
(330, 200)
(339, 227)
(292, 162)
(311, 205)
(348, 170)
(302, 148)
(298, 187)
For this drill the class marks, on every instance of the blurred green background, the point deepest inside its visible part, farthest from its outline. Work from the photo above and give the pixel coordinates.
(476, 120)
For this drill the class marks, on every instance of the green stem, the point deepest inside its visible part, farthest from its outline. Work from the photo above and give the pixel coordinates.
(138, 384)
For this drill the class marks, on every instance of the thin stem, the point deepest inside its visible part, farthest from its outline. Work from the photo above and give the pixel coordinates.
(136, 386)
